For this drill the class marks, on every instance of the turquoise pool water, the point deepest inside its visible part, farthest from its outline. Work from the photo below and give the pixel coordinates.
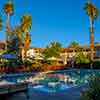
(56, 81)
(62, 80)
(53, 82)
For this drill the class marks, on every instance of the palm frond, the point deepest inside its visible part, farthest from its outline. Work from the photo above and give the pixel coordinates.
(1, 22)
(26, 22)
(8, 7)
(91, 10)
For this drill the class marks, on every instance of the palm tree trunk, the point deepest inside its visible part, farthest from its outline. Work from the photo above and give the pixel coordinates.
(28, 40)
(91, 43)
(26, 44)
(7, 30)
(25, 51)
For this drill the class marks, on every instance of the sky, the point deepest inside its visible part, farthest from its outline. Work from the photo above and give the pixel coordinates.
(61, 21)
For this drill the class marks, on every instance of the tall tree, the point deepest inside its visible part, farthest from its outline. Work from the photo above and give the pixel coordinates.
(26, 24)
(2, 45)
(54, 49)
(1, 22)
(73, 44)
(16, 39)
(8, 8)
(92, 12)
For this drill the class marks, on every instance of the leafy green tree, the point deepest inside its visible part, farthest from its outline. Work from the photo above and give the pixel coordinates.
(8, 8)
(81, 58)
(17, 31)
(92, 12)
(53, 50)
(73, 44)
(15, 40)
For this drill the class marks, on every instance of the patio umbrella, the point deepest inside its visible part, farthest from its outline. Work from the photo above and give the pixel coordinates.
(54, 59)
(9, 56)
(39, 58)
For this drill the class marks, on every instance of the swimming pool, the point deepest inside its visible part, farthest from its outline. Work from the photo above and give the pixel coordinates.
(63, 80)
(55, 81)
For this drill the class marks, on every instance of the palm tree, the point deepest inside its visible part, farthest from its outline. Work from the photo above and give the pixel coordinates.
(8, 8)
(92, 12)
(2, 45)
(26, 24)
(1, 22)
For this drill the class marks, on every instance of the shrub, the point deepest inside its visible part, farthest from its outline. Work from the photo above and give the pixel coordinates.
(27, 63)
(93, 93)
(81, 58)
(96, 64)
